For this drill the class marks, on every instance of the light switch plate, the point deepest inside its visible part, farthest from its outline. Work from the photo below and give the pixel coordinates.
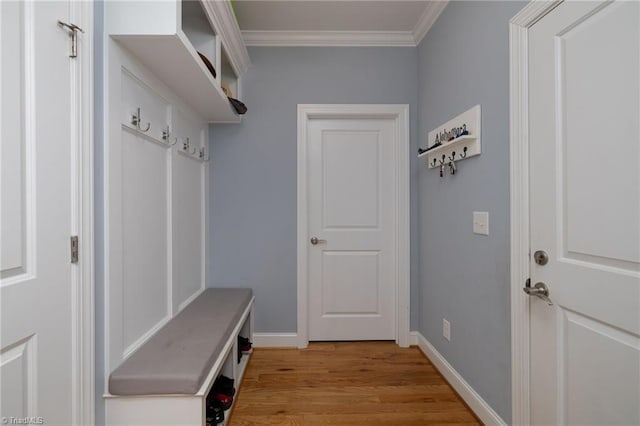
(481, 223)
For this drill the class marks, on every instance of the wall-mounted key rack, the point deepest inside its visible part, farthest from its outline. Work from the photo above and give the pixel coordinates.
(455, 140)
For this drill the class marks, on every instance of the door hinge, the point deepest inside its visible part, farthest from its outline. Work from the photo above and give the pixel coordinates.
(74, 249)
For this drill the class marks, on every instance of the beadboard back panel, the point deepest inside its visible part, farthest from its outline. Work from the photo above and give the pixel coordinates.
(155, 196)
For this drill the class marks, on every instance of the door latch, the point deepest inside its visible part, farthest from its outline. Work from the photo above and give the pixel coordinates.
(73, 34)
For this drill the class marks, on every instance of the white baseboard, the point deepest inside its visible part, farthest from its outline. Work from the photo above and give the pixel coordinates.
(275, 340)
(470, 396)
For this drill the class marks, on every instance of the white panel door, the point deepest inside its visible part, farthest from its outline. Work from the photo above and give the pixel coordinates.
(37, 344)
(352, 181)
(584, 90)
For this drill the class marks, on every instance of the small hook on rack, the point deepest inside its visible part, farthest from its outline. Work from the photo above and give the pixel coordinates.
(452, 157)
(464, 153)
(136, 118)
(442, 163)
(185, 145)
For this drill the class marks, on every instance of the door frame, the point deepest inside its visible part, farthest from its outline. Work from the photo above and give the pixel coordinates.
(400, 114)
(519, 27)
(82, 198)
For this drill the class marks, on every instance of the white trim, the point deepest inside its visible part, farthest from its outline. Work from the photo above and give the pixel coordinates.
(81, 13)
(413, 338)
(225, 23)
(478, 405)
(519, 204)
(402, 232)
(350, 38)
(190, 299)
(431, 14)
(329, 38)
(275, 340)
(145, 337)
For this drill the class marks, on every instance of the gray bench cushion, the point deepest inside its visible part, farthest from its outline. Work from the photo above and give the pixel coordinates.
(177, 359)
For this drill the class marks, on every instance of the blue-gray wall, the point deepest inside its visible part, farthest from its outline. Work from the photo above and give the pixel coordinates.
(463, 61)
(254, 164)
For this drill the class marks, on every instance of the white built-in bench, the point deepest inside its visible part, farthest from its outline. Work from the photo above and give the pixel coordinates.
(166, 381)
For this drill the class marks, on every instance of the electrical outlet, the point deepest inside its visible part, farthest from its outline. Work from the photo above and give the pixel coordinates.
(446, 329)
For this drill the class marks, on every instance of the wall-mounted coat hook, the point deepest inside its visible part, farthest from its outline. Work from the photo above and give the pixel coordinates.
(202, 155)
(442, 163)
(464, 153)
(452, 157)
(185, 144)
(166, 133)
(136, 118)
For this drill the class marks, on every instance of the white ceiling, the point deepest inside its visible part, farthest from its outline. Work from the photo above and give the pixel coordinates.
(331, 22)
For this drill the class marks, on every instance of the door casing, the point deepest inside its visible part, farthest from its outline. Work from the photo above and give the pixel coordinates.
(82, 199)
(519, 27)
(83, 223)
(400, 115)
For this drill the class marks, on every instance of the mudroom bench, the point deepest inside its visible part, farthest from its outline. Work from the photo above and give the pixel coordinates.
(166, 381)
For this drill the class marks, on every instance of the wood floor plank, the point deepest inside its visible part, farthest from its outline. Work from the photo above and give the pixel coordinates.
(346, 383)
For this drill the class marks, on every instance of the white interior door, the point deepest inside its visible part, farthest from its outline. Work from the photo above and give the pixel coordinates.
(351, 269)
(37, 345)
(584, 94)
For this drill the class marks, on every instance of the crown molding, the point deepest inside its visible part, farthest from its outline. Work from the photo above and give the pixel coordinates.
(432, 11)
(328, 38)
(224, 20)
(428, 18)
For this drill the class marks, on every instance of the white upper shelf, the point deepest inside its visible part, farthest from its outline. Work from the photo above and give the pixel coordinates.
(153, 32)
(174, 61)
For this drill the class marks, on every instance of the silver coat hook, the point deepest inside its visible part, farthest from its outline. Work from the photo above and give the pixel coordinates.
(166, 133)
(136, 118)
(202, 155)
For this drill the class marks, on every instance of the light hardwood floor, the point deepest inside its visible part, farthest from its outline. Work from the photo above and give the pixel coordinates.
(351, 383)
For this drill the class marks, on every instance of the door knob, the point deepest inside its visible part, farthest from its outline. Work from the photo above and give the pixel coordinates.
(315, 240)
(539, 290)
